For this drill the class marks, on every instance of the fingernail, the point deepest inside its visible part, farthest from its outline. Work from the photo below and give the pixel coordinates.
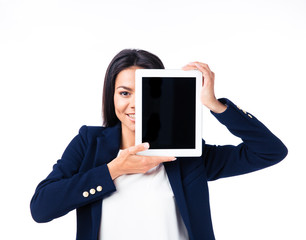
(146, 145)
(174, 159)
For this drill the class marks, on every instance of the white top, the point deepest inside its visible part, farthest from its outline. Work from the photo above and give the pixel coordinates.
(143, 207)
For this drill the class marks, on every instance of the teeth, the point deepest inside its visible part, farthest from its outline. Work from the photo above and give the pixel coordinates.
(131, 116)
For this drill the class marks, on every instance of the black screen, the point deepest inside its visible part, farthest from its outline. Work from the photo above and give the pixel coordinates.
(168, 112)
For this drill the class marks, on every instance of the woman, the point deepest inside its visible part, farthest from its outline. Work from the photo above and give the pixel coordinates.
(121, 195)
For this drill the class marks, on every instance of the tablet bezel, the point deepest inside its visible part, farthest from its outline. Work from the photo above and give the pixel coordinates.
(139, 74)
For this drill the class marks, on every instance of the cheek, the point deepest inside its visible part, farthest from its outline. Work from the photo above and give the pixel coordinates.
(120, 105)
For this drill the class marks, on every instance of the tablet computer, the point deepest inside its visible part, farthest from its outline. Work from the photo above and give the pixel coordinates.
(168, 112)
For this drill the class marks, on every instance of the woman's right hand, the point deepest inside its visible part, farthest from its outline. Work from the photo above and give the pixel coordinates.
(128, 162)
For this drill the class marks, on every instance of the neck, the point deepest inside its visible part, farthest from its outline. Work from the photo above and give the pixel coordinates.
(127, 139)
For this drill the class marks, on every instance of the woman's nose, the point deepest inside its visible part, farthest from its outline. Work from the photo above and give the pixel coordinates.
(132, 102)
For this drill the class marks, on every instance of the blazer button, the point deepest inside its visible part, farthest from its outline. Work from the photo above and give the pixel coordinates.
(85, 194)
(92, 191)
(99, 188)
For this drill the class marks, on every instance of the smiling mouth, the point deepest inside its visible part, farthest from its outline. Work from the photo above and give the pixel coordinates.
(132, 116)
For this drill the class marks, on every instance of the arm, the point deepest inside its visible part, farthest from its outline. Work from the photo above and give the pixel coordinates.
(260, 147)
(129, 163)
(66, 188)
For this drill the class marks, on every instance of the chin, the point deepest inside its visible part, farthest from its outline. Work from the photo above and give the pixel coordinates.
(128, 127)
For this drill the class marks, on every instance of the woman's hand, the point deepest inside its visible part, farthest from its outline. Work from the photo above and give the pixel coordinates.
(207, 93)
(128, 162)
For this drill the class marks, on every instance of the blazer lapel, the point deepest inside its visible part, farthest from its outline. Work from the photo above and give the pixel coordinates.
(174, 176)
(108, 145)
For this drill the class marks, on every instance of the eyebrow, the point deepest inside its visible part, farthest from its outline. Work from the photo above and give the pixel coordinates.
(127, 88)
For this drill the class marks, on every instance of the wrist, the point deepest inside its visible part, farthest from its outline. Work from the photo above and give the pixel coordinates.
(113, 169)
(216, 106)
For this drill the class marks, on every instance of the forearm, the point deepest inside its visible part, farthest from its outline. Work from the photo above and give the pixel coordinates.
(56, 197)
(260, 147)
(114, 169)
(216, 106)
(255, 135)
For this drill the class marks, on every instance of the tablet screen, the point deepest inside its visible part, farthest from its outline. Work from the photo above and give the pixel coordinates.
(168, 112)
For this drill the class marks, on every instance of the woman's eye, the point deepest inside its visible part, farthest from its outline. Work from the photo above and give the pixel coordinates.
(124, 93)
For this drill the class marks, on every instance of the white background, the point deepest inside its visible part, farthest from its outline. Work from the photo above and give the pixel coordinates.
(53, 57)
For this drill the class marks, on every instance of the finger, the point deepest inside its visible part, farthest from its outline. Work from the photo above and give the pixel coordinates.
(204, 65)
(207, 73)
(204, 70)
(189, 67)
(158, 159)
(201, 67)
(167, 159)
(191, 64)
(139, 148)
(197, 64)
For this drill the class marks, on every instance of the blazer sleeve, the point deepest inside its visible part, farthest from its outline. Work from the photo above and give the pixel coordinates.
(260, 147)
(66, 188)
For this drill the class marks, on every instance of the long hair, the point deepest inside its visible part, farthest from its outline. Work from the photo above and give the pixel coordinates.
(123, 60)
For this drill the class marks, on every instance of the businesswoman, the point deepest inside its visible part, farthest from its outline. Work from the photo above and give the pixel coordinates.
(120, 195)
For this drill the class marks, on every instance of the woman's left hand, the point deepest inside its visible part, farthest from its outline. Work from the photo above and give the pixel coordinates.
(207, 93)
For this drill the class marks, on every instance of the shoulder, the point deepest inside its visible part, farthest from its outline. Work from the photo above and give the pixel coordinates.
(89, 132)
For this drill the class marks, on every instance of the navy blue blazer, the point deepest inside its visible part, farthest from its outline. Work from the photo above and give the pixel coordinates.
(80, 179)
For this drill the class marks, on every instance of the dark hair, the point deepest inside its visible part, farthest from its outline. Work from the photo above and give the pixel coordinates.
(123, 60)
